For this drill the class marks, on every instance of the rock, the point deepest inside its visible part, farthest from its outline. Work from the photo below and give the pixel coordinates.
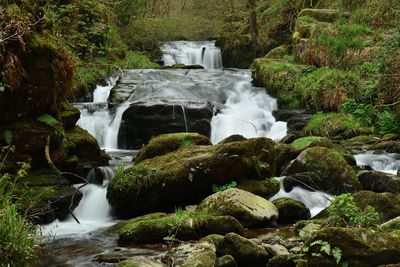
(69, 115)
(284, 156)
(165, 143)
(225, 261)
(214, 239)
(183, 66)
(379, 181)
(233, 138)
(308, 230)
(360, 247)
(297, 119)
(185, 176)
(153, 228)
(278, 52)
(196, 255)
(143, 120)
(387, 204)
(276, 249)
(289, 138)
(245, 252)
(140, 262)
(322, 15)
(336, 175)
(303, 143)
(249, 209)
(263, 188)
(282, 261)
(291, 210)
(105, 258)
(302, 179)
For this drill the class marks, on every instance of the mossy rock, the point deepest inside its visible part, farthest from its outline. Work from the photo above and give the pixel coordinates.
(244, 251)
(311, 141)
(322, 15)
(263, 188)
(214, 239)
(225, 261)
(196, 255)
(302, 179)
(379, 181)
(69, 115)
(360, 247)
(185, 176)
(282, 261)
(278, 52)
(284, 156)
(233, 138)
(153, 228)
(42, 177)
(291, 210)
(166, 143)
(336, 175)
(391, 137)
(387, 204)
(391, 225)
(140, 262)
(249, 209)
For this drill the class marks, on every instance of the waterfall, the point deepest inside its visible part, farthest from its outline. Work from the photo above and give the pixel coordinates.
(384, 162)
(184, 118)
(190, 53)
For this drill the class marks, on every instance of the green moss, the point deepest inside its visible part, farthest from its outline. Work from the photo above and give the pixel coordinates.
(325, 15)
(333, 124)
(302, 143)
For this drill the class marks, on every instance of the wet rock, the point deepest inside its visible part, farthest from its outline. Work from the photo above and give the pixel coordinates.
(360, 247)
(185, 176)
(69, 115)
(289, 138)
(336, 175)
(153, 228)
(140, 262)
(249, 209)
(297, 119)
(284, 156)
(303, 179)
(282, 261)
(263, 188)
(379, 181)
(245, 252)
(197, 254)
(276, 250)
(104, 258)
(165, 143)
(233, 138)
(291, 210)
(225, 261)
(144, 120)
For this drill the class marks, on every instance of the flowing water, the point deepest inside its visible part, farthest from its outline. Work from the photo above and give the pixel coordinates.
(239, 108)
(384, 162)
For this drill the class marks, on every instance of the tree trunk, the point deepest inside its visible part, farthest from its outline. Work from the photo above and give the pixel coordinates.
(251, 5)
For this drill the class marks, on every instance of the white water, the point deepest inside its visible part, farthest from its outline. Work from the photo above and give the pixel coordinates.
(248, 111)
(93, 212)
(315, 201)
(190, 53)
(385, 162)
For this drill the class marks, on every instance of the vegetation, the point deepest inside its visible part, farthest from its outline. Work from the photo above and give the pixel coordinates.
(216, 188)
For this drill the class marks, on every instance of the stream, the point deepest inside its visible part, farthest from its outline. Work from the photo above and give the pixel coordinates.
(238, 108)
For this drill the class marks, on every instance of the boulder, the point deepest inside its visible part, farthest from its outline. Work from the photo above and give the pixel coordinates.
(194, 255)
(244, 251)
(276, 249)
(359, 247)
(379, 181)
(249, 209)
(153, 228)
(282, 261)
(225, 261)
(291, 210)
(336, 175)
(263, 188)
(185, 176)
(278, 52)
(387, 204)
(303, 179)
(69, 115)
(233, 138)
(143, 120)
(165, 143)
(140, 262)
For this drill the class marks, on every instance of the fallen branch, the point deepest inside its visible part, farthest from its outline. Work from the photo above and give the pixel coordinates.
(60, 174)
(387, 105)
(108, 64)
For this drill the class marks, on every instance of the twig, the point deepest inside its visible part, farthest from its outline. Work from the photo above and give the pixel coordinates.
(387, 105)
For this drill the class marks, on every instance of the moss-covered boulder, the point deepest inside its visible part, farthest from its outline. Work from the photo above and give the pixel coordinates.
(311, 141)
(225, 261)
(291, 210)
(278, 52)
(69, 115)
(196, 255)
(263, 188)
(336, 175)
(387, 204)
(185, 176)
(43, 194)
(244, 251)
(379, 181)
(166, 143)
(359, 247)
(249, 209)
(153, 228)
(302, 179)
(282, 261)
(232, 138)
(140, 262)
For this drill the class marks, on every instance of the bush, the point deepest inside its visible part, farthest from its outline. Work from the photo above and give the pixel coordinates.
(388, 123)
(364, 112)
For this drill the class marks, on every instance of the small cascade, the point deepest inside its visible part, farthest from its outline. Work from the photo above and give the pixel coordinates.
(93, 211)
(315, 201)
(111, 140)
(248, 111)
(184, 117)
(101, 94)
(384, 162)
(190, 53)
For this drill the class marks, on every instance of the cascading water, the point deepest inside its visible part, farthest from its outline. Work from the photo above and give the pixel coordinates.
(384, 162)
(190, 53)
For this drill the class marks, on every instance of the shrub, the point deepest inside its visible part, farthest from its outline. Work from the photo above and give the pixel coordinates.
(388, 123)
(216, 188)
(365, 112)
